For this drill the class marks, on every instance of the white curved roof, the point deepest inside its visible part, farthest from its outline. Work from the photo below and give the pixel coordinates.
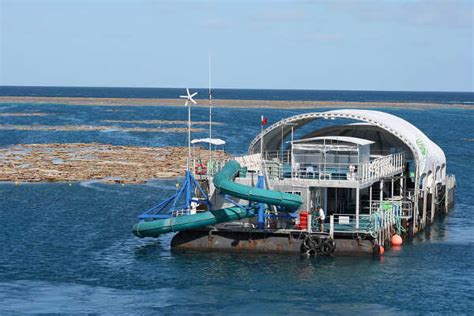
(428, 155)
(346, 139)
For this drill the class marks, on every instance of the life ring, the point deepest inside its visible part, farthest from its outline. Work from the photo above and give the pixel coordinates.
(200, 169)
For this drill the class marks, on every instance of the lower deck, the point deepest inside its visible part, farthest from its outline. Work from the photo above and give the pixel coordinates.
(276, 241)
(345, 235)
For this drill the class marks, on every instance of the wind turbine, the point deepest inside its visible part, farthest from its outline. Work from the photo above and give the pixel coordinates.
(189, 97)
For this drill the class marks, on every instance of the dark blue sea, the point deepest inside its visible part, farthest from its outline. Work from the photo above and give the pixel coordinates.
(68, 249)
(246, 94)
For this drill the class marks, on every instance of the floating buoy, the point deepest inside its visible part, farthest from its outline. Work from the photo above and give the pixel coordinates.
(378, 250)
(381, 250)
(396, 240)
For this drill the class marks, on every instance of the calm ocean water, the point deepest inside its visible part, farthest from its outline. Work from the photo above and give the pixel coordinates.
(69, 249)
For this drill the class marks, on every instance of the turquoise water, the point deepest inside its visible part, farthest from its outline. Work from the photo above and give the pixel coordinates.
(69, 249)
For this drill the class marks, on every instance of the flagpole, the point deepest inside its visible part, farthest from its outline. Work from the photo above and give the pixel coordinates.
(261, 141)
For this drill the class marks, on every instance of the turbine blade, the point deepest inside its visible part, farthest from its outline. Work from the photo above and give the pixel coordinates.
(192, 95)
(186, 103)
(192, 100)
(187, 90)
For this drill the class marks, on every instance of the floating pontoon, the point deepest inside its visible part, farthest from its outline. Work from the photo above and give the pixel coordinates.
(374, 174)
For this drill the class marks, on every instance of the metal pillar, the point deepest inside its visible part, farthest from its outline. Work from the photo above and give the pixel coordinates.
(446, 196)
(370, 200)
(381, 192)
(331, 226)
(188, 165)
(357, 207)
(261, 206)
(433, 198)
(392, 189)
(402, 179)
(187, 183)
(292, 156)
(425, 203)
(416, 202)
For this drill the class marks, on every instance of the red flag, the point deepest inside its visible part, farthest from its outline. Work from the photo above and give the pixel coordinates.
(264, 120)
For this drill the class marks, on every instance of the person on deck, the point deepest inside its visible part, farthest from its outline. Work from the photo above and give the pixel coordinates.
(321, 217)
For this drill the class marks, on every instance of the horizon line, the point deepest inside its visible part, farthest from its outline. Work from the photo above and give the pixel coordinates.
(217, 88)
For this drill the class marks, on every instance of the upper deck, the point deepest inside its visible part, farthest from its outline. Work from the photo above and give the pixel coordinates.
(325, 162)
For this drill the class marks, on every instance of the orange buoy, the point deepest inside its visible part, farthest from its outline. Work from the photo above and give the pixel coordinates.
(396, 240)
(381, 250)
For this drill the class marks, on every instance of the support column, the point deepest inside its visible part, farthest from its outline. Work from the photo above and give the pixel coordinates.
(425, 203)
(187, 183)
(357, 207)
(370, 200)
(392, 190)
(446, 196)
(402, 179)
(331, 226)
(416, 203)
(325, 200)
(433, 199)
(261, 206)
(381, 191)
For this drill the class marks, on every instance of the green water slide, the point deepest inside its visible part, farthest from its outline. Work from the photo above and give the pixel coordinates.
(157, 227)
(224, 181)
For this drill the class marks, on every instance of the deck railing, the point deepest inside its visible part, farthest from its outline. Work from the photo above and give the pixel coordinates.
(381, 167)
(379, 224)
(208, 169)
(405, 207)
(362, 172)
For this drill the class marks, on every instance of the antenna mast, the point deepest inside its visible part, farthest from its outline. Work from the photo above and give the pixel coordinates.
(210, 114)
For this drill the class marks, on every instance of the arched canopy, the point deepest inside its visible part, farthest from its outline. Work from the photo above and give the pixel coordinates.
(427, 155)
(383, 142)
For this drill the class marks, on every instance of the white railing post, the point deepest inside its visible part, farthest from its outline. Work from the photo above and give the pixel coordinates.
(309, 223)
(331, 226)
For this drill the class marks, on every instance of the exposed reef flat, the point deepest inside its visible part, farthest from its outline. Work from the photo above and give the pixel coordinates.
(22, 114)
(94, 161)
(90, 128)
(230, 103)
(162, 122)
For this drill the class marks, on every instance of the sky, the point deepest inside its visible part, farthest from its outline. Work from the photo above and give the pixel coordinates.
(322, 45)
